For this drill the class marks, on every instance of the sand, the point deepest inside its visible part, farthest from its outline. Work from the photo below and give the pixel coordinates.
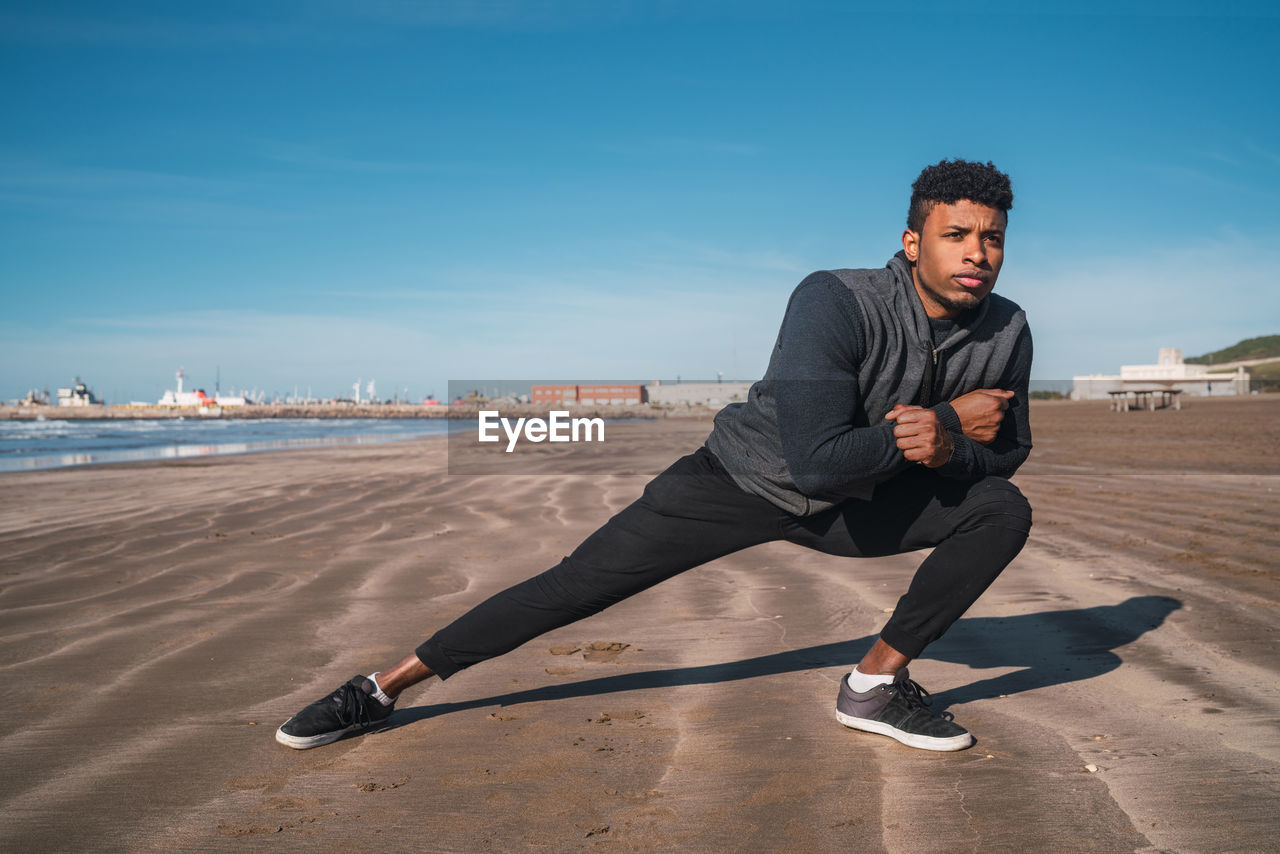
(159, 620)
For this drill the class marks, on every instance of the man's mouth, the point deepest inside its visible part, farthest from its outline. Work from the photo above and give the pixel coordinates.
(971, 279)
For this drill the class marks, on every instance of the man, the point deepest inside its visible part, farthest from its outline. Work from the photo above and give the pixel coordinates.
(892, 413)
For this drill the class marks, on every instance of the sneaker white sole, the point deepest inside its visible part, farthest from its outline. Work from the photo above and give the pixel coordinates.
(924, 742)
(298, 742)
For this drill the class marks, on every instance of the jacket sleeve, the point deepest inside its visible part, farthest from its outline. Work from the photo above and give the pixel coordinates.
(971, 460)
(818, 396)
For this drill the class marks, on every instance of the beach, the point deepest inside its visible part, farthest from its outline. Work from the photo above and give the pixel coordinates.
(159, 620)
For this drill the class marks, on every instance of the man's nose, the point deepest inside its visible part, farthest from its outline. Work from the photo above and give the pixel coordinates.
(975, 251)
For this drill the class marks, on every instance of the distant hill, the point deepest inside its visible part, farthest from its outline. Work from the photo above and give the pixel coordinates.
(1268, 374)
(1266, 347)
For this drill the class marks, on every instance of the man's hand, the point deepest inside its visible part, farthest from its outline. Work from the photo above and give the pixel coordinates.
(981, 412)
(920, 436)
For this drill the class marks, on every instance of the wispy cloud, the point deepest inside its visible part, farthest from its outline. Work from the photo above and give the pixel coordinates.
(167, 210)
(81, 192)
(1267, 153)
(1231, 168)
(669, 274)
(1187, 174)
(41, 174)
(1114, 8)
(314, 157)
(675, 146)
(771, 260)
(1220, 157)
(161, 24)
(480, 13)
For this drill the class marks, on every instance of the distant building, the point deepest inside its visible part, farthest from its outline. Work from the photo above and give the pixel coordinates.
(590, 395)
(611, 395)
(678, 394)
(77, 395)
(1169, 372)
(555, 394)
(697, 394)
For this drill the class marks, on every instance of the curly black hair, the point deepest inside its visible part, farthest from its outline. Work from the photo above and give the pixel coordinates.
(949, 181)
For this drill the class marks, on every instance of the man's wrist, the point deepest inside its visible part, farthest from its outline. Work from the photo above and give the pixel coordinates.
(949, 446)
(960, 463)
(948, 417)
(942, 454)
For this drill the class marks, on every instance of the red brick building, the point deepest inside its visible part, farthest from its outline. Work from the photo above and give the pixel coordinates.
(590, 395)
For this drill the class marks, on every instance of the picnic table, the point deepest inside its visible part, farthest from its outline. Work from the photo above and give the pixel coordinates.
(1150, 399)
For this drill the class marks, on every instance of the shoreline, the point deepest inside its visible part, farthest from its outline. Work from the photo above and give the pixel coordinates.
(204, 454)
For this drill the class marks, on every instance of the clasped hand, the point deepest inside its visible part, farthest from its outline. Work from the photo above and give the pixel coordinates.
(922, 438)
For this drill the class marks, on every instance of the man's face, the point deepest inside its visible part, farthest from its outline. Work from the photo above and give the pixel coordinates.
(956, 257)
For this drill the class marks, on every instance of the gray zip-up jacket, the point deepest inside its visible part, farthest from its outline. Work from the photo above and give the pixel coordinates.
(854, 343)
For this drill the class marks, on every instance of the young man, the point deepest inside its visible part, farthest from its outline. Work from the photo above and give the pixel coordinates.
(892, 413)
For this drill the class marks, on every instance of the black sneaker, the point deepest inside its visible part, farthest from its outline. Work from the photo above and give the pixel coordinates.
(351, 707)
(899, 711)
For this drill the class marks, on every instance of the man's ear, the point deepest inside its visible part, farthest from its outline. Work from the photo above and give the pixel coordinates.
(911, 245)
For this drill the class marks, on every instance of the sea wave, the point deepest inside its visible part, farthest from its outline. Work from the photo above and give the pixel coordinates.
(53, 443)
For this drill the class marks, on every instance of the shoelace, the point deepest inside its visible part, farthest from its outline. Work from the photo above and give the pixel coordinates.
(354, 708)
(913, 693)
(916, 697)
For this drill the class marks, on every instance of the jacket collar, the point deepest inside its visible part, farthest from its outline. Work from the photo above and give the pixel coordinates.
(910, 301)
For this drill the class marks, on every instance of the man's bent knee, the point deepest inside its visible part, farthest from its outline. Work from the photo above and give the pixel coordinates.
(996, 501)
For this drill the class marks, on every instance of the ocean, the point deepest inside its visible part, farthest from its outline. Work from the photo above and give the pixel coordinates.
(27, 445)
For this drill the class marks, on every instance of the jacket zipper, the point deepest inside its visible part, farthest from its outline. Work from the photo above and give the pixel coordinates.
(930, 373)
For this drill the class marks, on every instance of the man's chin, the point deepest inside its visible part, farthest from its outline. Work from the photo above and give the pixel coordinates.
(963, 301)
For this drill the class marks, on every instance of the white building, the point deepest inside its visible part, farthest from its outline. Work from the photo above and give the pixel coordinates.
(1169, 372)
(697, 394)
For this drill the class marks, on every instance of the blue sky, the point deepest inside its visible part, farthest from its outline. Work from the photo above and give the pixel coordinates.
(304, 193)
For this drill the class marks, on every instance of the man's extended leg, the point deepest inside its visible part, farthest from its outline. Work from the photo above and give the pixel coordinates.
(690, 514)
(975, 529)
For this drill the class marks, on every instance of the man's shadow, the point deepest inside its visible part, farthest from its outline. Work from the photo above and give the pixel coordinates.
(1050, 647)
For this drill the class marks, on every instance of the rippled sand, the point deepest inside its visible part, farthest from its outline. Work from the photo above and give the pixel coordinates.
(158, 621)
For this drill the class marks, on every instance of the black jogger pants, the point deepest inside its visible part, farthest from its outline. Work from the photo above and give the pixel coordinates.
(694, 512)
